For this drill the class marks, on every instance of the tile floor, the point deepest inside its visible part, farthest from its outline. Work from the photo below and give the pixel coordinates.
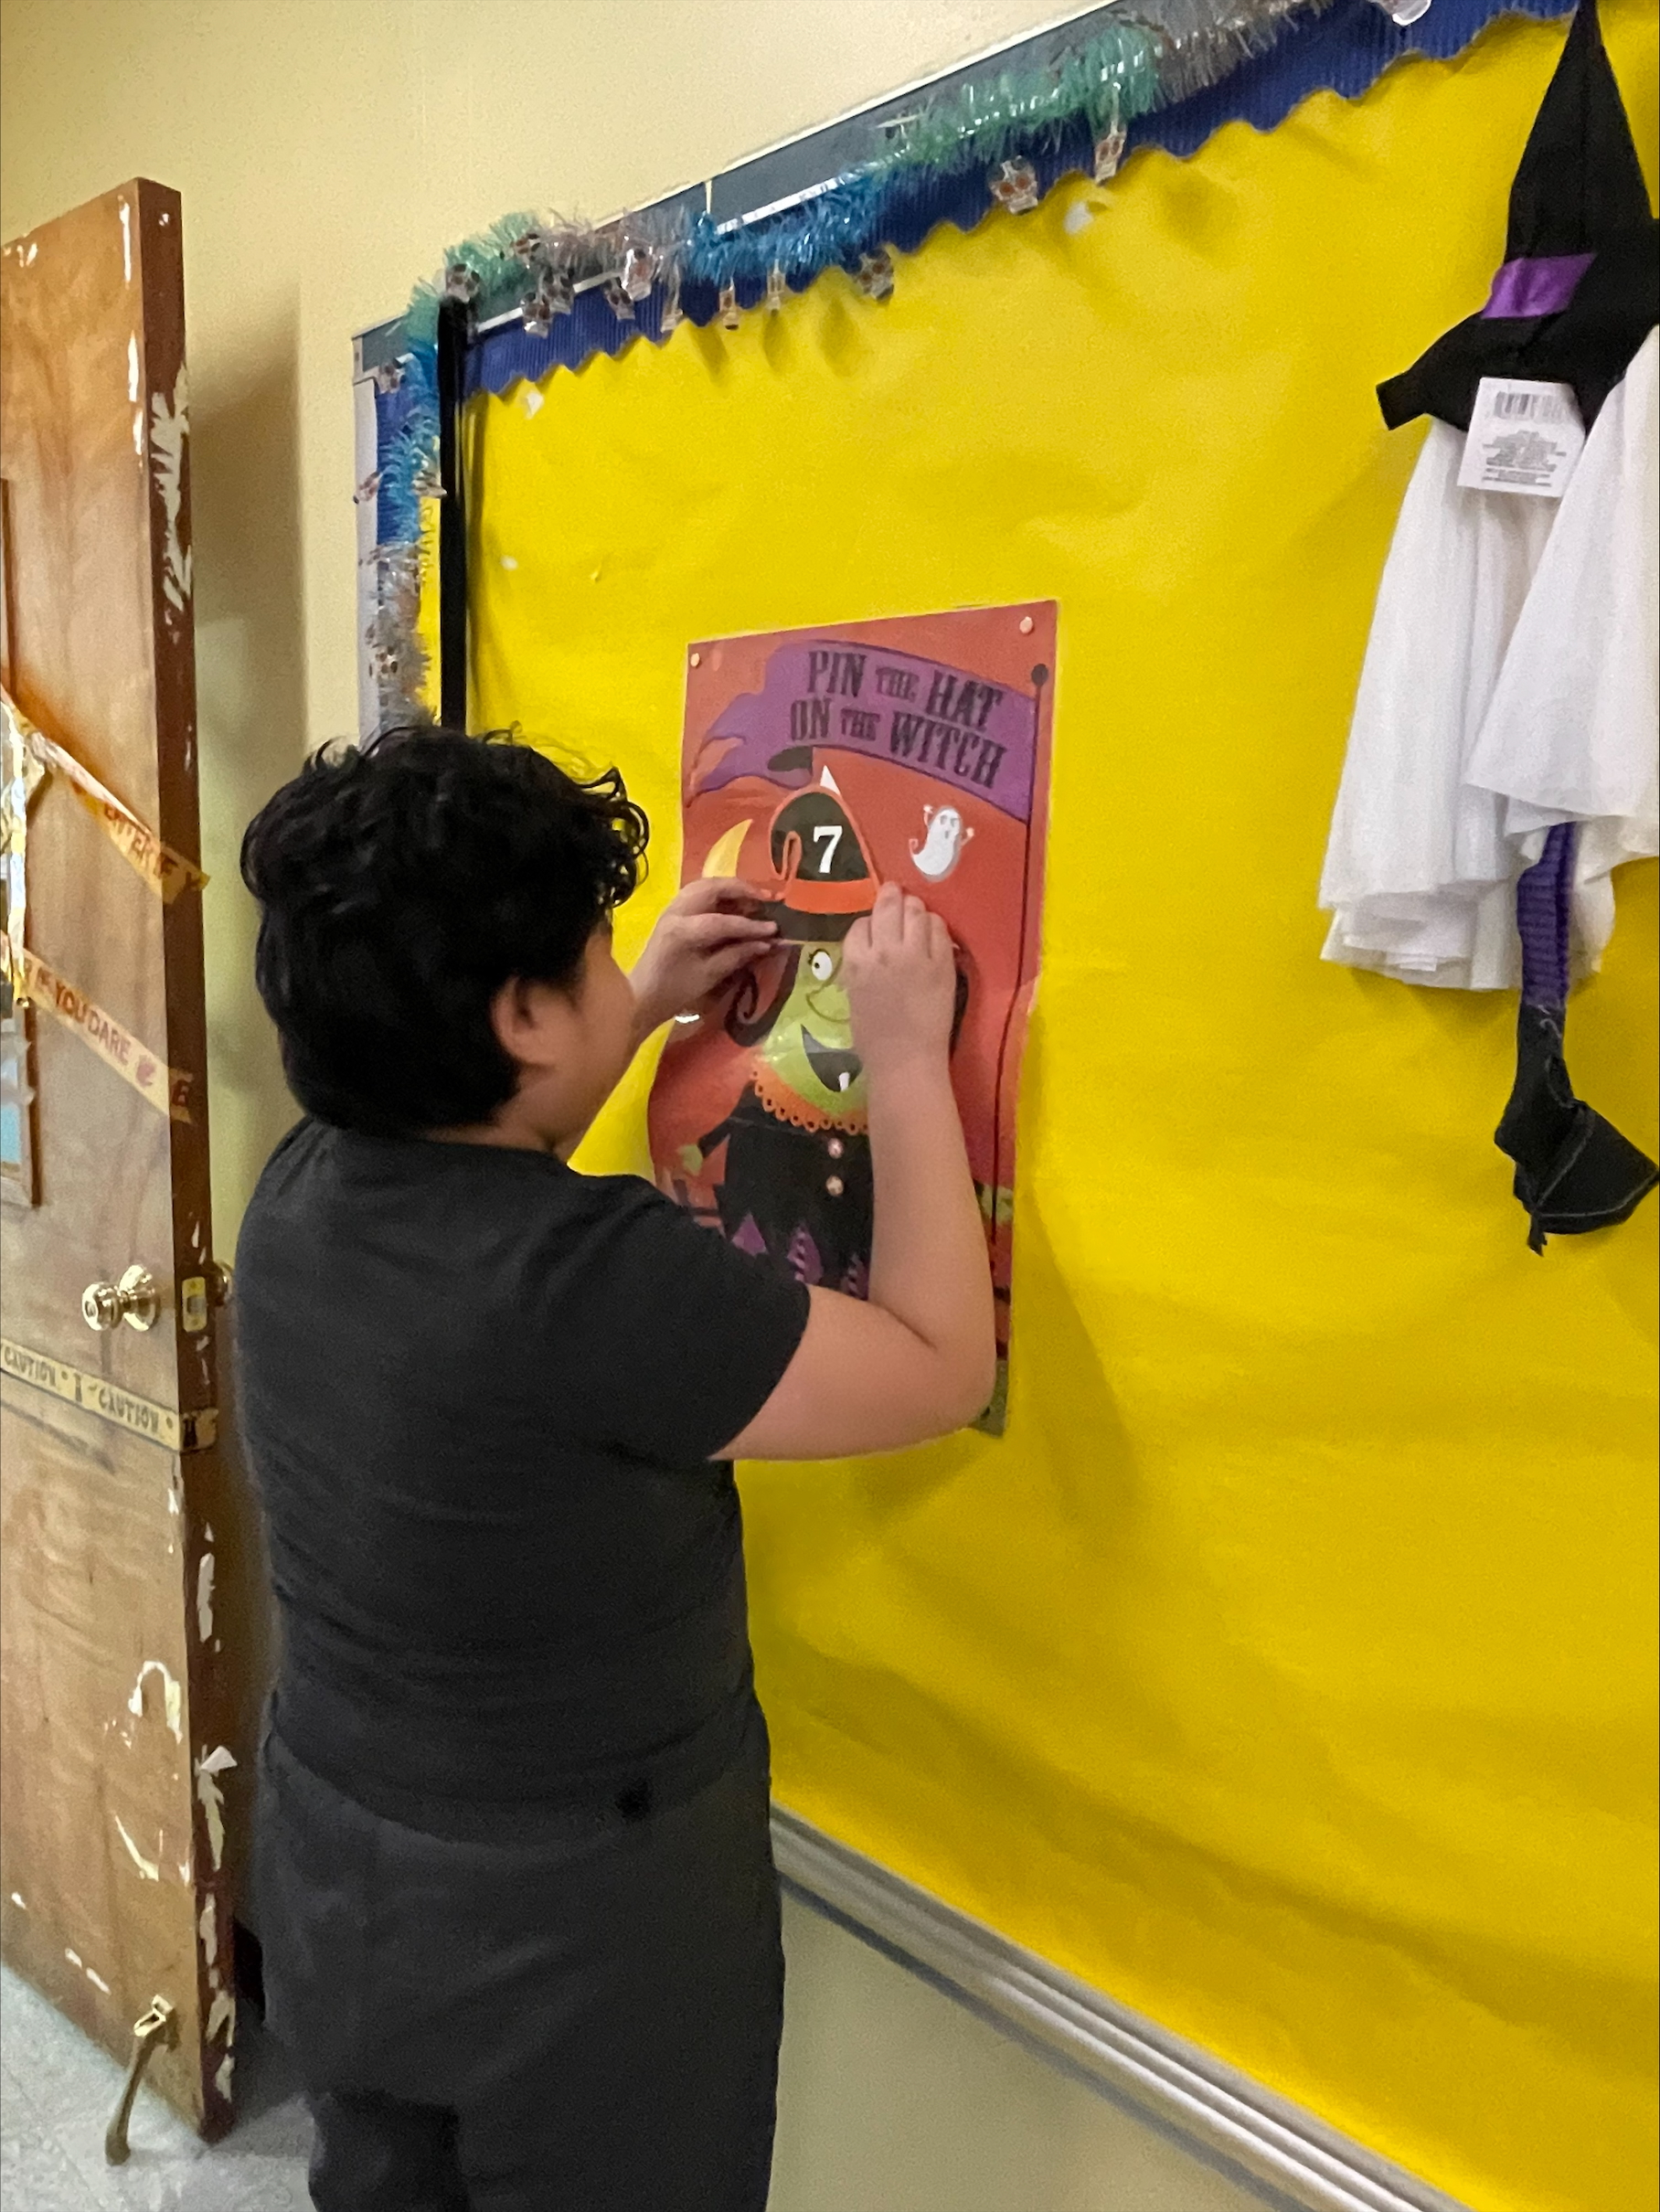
(58, 2090)
(892, 2098)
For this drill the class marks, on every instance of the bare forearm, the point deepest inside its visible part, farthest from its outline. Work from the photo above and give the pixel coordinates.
(921, 1353)
(928, 1265)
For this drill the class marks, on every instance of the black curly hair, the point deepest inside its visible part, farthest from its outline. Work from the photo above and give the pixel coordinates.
(400, 886)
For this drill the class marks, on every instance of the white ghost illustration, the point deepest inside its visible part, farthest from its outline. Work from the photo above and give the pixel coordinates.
(942, 842)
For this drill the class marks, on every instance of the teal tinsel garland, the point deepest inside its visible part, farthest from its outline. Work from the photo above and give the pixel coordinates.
(490, 262)
(1118, 73)
(1113, 78)
(409, 470)
(1108, 81)
(1164, 50)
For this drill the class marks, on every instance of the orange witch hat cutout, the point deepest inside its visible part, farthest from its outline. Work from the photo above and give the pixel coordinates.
(822, 871)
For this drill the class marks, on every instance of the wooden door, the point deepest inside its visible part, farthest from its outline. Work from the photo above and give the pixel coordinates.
(116, 1693)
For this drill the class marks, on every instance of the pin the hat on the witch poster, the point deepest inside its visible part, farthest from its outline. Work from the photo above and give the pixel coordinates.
(822, 764)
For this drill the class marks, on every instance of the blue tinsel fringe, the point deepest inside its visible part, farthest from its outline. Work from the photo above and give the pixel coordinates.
(1345, 50)
(406, 436)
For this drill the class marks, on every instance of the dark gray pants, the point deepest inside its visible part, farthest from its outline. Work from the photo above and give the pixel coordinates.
(587, 2023)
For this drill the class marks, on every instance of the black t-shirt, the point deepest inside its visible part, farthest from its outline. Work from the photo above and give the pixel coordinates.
(479, 1391)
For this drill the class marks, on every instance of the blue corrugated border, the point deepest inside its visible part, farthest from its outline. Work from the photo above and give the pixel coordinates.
(1344, 50)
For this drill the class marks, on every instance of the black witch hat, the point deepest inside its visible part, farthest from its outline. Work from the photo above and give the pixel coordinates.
(821, 866)
(1580, 289)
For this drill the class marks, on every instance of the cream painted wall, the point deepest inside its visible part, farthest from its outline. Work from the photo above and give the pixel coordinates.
(326, 152)
(893, 2098)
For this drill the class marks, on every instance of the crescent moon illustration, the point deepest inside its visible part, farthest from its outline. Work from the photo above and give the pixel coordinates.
(722, 858)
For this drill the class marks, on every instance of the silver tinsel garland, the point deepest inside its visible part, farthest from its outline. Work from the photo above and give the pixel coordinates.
(1102, 74)
(1146, 55)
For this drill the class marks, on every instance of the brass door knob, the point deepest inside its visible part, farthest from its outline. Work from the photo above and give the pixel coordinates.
(134, 1300)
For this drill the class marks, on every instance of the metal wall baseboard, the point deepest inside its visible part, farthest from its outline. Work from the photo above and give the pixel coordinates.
(1223, 2113)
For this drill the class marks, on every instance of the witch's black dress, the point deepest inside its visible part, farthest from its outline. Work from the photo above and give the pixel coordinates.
(805, 1196)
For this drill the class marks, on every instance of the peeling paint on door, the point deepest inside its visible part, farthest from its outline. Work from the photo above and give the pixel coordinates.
(172, 1698)
(207, 1771)
(149, 1868)
(169, 428)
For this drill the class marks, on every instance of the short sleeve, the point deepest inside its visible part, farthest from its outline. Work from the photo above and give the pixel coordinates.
(676, 1340)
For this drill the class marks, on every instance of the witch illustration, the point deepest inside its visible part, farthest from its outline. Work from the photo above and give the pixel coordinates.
(795, 1183)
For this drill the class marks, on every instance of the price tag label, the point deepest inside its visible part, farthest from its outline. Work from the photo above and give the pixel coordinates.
(1524, 436)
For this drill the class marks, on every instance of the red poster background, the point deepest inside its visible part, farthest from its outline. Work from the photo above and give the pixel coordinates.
(991, 898)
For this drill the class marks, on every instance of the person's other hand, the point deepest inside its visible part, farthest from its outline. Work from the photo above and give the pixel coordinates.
(902, 981)
(704, 935)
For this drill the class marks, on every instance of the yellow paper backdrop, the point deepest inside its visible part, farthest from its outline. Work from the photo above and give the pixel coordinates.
(1287, 1671)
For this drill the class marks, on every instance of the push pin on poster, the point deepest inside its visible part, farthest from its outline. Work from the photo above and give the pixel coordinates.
(1014, 186)
(775, 288)
(875, 273)
(618, 300)
(731, 314)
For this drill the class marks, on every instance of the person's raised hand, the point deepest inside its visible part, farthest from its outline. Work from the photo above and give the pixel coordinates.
(704, 935)
(901, 983)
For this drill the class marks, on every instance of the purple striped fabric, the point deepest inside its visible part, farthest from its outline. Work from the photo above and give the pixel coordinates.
(1542, 285)
(1544, 908)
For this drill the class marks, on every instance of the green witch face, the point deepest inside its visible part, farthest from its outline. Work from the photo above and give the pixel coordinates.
(809, 1046)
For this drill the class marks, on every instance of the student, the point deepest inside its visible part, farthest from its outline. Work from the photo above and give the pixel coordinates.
(513, 1877)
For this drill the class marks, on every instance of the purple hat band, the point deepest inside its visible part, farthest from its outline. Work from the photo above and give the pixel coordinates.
(1544, 917)
(1540, 284)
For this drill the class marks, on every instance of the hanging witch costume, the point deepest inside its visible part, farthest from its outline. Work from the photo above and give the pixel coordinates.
(1501, 761)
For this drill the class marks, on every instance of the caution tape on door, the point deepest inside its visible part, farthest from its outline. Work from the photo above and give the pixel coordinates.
(166, 1089)
(165, 871)
(96, 1394)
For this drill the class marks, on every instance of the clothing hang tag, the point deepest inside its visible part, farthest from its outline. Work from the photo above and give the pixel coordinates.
(1524, 436)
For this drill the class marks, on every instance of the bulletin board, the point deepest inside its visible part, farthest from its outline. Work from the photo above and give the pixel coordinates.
(1286, 1669)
